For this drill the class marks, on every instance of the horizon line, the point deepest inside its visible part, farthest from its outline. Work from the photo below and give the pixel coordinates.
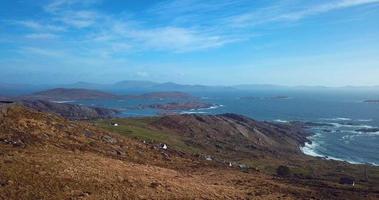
(188, 84)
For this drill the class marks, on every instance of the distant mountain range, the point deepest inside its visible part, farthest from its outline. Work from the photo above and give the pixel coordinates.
(135, 86)
(69, 94)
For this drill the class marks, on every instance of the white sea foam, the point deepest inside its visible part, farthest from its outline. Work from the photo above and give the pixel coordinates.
(281, 121)
(339, 125)
(309, 149)
(337, 119)
(209, 108)
(63, 101)
(352, 134)
(344, 160)
(371, 133)
(193, 112)
(364, 120)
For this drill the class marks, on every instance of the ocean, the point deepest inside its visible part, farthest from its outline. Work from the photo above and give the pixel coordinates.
(340, 118)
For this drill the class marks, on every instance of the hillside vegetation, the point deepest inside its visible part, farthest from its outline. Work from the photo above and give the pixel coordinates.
(44, 156)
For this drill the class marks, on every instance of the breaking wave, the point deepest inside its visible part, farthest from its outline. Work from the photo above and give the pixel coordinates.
(281, 121)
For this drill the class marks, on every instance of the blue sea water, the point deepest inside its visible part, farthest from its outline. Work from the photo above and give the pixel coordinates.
(342, 113)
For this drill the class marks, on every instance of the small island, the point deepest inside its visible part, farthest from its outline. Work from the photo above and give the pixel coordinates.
(162, 95)
(371, 101)
(265, 98)
(179, 106)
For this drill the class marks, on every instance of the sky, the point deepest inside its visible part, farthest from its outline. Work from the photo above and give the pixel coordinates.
(212, 42)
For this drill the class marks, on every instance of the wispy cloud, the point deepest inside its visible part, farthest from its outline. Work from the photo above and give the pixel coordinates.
(74, 13)
(327, 7)
(42, 52)
(58, 5)
(163, 38)
(78, 19)
(173, 25)
(39, 26)
(289, 12)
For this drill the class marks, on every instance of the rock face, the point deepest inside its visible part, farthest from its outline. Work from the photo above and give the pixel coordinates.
(64, 94)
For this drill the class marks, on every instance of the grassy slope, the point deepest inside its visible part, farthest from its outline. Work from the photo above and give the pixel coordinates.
(43, 156)
(137, 128)
(303, 167)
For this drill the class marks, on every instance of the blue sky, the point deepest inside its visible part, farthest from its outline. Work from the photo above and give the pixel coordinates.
(286, 42)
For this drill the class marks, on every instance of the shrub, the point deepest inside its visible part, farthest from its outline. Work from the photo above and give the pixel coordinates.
(283, 171)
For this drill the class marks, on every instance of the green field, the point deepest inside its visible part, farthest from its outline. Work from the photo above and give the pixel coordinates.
(138, 128)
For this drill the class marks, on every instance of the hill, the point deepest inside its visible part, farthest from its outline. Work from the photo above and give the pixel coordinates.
(221, 133)
(69, 111)
(44, 156)
(65, 94)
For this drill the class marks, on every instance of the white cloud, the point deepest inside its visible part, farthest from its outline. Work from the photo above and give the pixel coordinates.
(174, 38)
(38, 26)
(279, 13)
(133, 36)
(78, 19)
(42, 52)
(327, 7)
(58, 5)
(74, 13)
(181, 7)
(111, 34)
